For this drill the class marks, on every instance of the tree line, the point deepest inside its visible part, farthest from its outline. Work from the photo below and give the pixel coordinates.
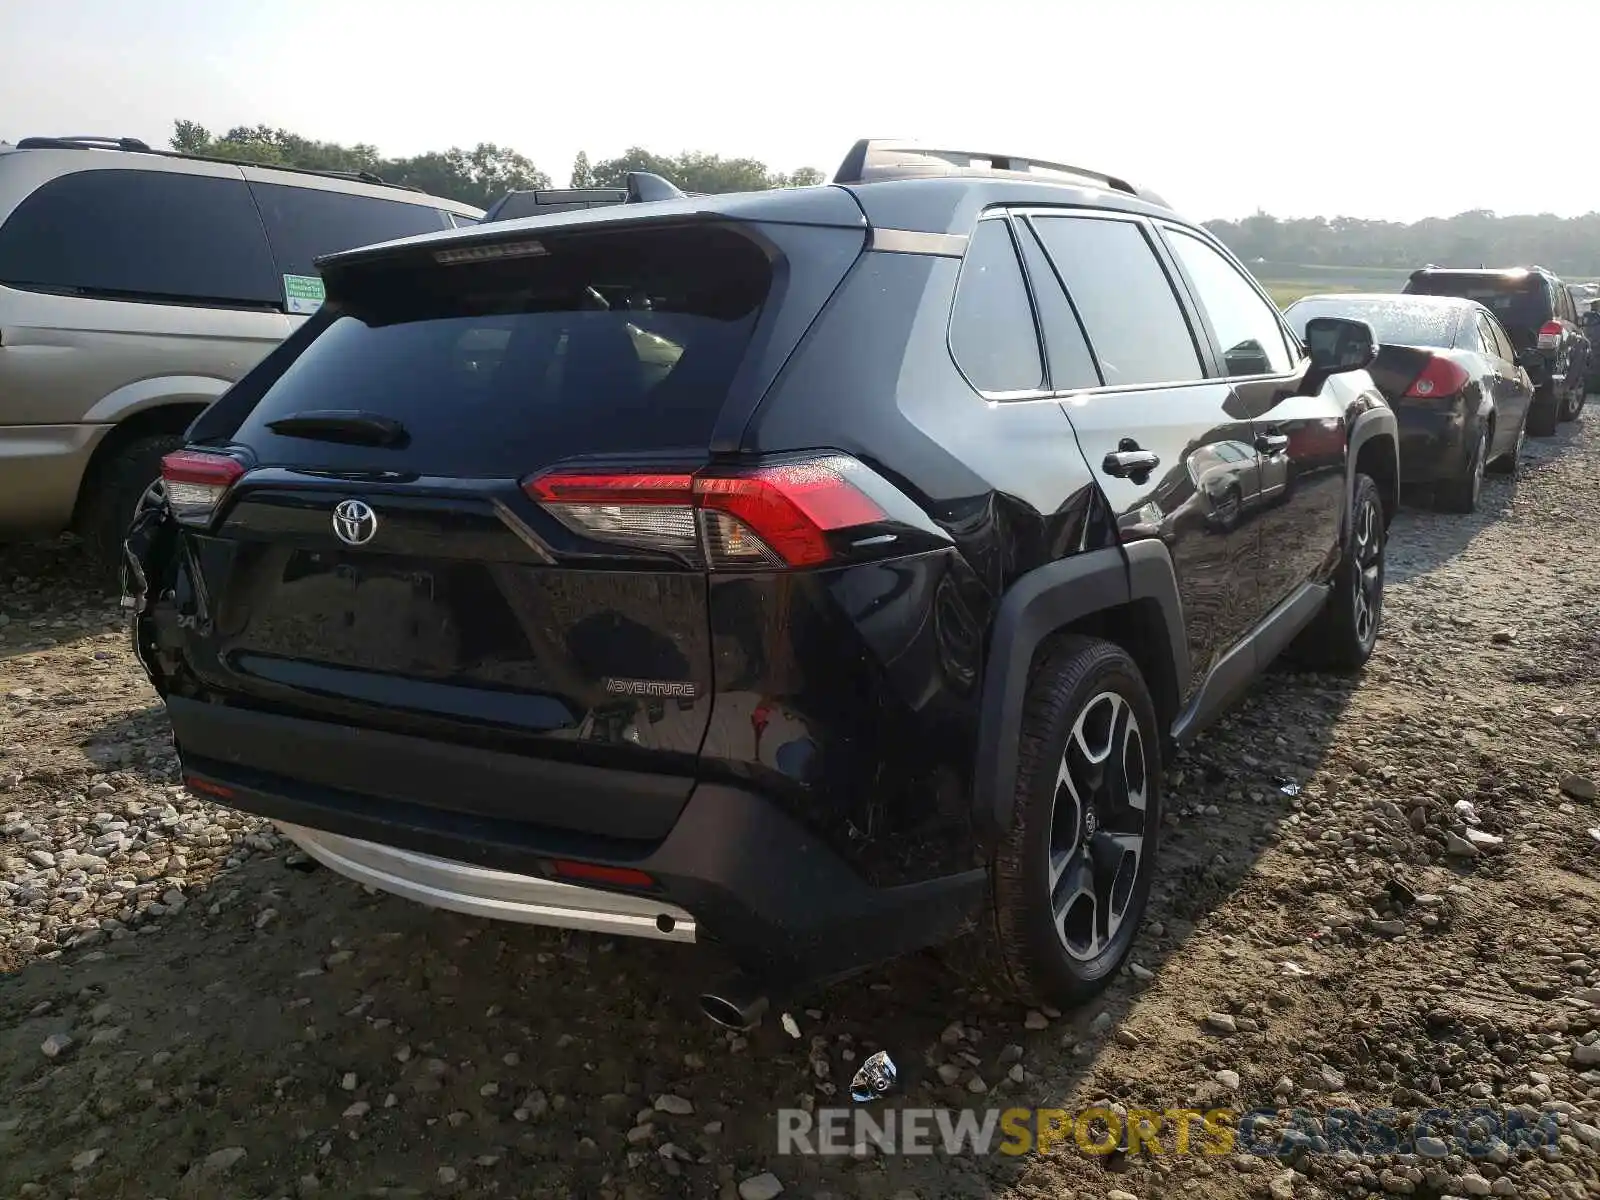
(482, 174)
(1570, 246)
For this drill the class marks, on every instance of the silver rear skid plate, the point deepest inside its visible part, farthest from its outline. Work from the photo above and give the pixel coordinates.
(496, 895)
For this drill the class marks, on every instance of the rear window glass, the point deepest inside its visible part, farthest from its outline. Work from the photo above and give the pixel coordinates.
(1394, 322)
(304, 223)
(609, 343)
(1520, 304)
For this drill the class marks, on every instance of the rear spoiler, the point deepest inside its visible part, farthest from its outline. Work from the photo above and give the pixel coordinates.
(641, 188)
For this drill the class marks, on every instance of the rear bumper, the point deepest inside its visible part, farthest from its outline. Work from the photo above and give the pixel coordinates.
(41, 468)
(734, 869)
(1433, 445)
(496, 895)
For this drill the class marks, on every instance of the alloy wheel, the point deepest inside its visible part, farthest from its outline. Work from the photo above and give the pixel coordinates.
(1097, 827)
(1368, 554)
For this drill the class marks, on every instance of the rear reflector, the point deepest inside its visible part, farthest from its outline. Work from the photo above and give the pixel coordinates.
(1440, 378)
(205, 788)
(1550, 335)
(196, 482)
(597, 873)
(771, 516)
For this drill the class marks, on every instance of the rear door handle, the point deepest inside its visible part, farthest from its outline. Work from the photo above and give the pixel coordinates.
(1272, 443)
(1128, 459)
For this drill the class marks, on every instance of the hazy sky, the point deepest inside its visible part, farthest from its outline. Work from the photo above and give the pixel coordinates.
(1337, 107)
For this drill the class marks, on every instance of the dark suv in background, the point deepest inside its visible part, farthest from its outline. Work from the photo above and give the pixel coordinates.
(824, 572)
(1537, 310)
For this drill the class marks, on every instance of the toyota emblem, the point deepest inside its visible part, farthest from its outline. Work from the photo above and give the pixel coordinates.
(354, 522)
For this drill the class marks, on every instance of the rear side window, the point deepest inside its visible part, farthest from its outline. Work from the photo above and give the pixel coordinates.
(304, 223)
(1135, 325)
(1491, 338)
(607, 344)
(992, 334)
(141, 235)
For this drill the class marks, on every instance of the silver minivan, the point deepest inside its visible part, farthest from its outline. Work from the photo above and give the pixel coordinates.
(136, 286)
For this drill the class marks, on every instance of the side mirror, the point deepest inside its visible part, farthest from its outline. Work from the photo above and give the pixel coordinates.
(1527, 358)
(1337, 345)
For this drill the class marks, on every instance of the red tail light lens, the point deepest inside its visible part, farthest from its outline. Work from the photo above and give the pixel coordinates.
(1550, 335)
(773, 516)
(1440, 378)
(196, 482)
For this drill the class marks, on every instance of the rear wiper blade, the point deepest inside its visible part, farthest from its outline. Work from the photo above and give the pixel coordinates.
(342, 425)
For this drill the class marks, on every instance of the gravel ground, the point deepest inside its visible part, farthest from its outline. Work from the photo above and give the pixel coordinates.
(1379, 895)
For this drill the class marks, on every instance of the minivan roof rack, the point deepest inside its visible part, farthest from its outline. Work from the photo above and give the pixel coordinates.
(872, 160)
(135, 146)
(641, 187)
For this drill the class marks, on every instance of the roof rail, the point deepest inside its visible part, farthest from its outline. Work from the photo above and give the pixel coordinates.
(873, 159)
(135, 146)
(83, 141)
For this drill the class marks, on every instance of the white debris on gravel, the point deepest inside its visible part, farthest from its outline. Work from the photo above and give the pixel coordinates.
(760, 1187)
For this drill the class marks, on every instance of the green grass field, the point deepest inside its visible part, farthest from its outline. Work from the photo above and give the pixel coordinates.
(1287, 282)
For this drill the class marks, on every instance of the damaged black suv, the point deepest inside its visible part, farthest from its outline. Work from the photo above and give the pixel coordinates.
(825, 573)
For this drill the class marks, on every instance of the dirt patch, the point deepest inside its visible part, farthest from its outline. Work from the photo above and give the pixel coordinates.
(1374, 895)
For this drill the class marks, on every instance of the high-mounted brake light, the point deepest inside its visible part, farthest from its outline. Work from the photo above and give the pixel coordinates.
(772, 516)
(488, 251)
(196, 482)
(1440, 378)
(1550, 335)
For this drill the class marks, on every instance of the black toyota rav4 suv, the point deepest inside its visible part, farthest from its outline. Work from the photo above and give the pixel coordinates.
(825, 573)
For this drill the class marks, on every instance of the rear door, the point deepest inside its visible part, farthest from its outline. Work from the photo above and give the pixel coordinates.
(384, 565)
(1301, 439)
(1512, 390)
(1151, 424)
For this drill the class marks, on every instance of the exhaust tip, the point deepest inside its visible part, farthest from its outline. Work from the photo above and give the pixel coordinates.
(734, 1009)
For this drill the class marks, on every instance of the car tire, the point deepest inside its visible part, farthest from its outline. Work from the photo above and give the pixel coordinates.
(1572, 404)
(1071, 878)
(113, 496)
(1543, 412)
(1343, 635)
(1460, 495)
(1507, 463)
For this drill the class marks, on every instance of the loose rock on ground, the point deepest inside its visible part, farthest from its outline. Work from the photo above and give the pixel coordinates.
(1381, 893)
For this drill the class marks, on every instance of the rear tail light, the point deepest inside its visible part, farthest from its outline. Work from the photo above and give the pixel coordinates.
(1440, 378)
(773, 516)
(196, 482)
(1550, 335)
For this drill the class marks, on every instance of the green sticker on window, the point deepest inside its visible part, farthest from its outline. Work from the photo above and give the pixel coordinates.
(303, 293)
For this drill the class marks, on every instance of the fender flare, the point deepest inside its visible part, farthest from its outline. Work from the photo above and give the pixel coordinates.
(1375, 422)
(1039, 604)
(158, 392)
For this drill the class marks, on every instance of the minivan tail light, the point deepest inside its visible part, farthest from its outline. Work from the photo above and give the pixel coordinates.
(196, 481)
(1440, 378)
(1550, 335)
(773, 516)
